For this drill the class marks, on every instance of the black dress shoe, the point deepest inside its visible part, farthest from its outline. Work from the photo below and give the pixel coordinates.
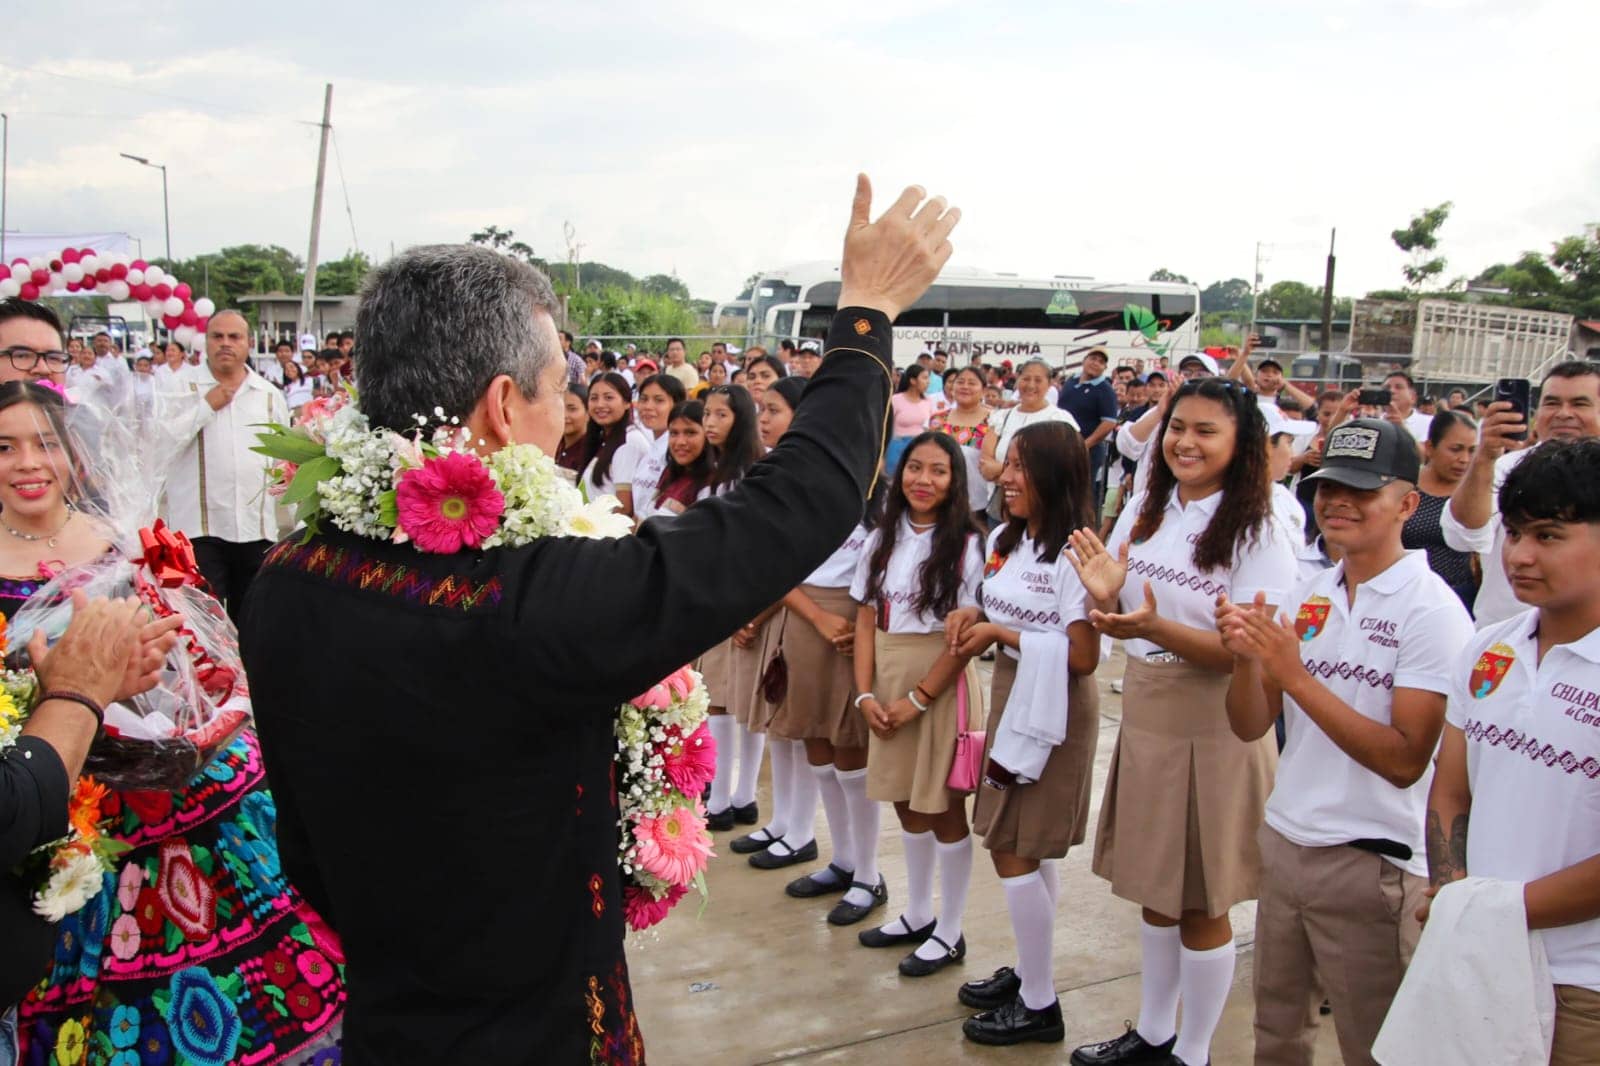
(877, 938)
(809, 887)
(749, 814)
(1129, 1049)
(773, 859)
(847, 913)
(720, 821)
(914, 965)
(1015, 1023)
(751, 843)
(990, 992)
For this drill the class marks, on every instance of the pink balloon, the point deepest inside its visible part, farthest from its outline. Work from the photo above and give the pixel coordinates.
(119, 271)
(30, 291)
(163, 290)
(138, 264)
(143, 292)
(182, 291)
(202, 323)
(189, 318)
(5, 272)
(82, 252)
(41, 277)
(102, 275)
(70, 255)
(171, 321)
(73, 286)
(88, 282)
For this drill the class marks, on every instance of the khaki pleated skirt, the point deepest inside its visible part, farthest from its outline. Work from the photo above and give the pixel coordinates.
(1184, 798)
(1044, 819)
(913, 766)
(745, 666)
(714, 673)
(822, 689)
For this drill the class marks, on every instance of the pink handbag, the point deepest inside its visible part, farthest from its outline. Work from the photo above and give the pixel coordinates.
(967, 768)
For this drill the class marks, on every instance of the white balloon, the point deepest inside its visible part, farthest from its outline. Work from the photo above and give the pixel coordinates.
(135, 277)
(153, 275)
(117, 290)
(183, 334)
(90, 263)
(72, 272)
(204, 307)
(154, 307)
(173, 306)
(38, 263)
(10, 287)
(55, 284)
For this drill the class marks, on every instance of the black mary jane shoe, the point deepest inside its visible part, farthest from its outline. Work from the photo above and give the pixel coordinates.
(878, 938)
(847, 913)
(808, 887)
(720, 821)
(991, 992)
(751, 843)
(1014, 1023)
(1129, 1049)
(772, 859)
(749, 814)
(914, 965)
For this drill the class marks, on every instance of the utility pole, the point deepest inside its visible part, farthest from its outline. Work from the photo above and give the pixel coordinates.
(309, 292)
(1255, 291)
(1327, 314)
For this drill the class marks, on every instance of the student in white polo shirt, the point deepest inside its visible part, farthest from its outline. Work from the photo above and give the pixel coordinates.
(1359, 671)
(1517, 793)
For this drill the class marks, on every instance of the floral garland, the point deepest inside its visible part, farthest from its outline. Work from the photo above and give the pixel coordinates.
(432, 491)
(72, 869)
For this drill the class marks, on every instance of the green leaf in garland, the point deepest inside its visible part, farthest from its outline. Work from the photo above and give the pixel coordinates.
(289, 445)
(308, 477)
(389, 508)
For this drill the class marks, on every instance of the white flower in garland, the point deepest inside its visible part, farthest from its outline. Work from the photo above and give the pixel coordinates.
(74, 880)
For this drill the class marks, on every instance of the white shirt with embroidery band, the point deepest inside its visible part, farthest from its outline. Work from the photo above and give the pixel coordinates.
(1404, 631)
(647, 477)
(838, 569)
(900, 578)
(218, 486)
(624, 461)
(1533, 761)
(1496, 602)
(1184, 593)
(1022, 593)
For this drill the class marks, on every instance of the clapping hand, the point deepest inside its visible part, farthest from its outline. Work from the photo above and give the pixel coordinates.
(1102, 574)
(1134, 624)
(889, 263)
(1250, 634)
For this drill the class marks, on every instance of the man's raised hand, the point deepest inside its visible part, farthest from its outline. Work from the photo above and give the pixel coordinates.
(889, 263)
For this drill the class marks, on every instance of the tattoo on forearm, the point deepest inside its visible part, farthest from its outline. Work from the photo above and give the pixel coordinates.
(1447, 855)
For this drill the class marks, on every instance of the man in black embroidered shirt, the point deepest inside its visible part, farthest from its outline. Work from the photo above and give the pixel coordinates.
(443, 790)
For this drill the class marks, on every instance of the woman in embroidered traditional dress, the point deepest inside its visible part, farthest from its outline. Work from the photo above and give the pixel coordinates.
(922, 562)
(197, 950)
(968, 423)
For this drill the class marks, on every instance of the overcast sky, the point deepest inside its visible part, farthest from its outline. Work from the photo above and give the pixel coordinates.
(716, 139)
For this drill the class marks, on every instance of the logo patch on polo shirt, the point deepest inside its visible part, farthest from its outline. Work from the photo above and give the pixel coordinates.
(1490, 670)
(994, 564)
(1312, 618)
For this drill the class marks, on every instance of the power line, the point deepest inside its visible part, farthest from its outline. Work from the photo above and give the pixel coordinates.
(136, 88)
(339, 165)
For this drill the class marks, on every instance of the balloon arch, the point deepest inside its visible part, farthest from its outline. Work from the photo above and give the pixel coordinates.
(120, 277)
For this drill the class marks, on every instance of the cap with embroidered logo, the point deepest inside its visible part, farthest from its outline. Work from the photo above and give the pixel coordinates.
(1368, 453)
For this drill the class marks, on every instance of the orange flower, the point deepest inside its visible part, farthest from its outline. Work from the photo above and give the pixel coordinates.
(84, 810)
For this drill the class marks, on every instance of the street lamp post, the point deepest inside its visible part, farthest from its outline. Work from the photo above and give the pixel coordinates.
(166, 215)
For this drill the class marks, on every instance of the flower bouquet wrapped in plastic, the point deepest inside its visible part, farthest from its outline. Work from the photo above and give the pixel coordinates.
(116, 459)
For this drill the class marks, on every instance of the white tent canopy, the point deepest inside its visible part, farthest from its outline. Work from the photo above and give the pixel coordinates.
(48, 245)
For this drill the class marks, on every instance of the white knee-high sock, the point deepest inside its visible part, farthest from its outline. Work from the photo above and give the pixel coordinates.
(837, 810)
(1050, 874)
(955, 877)
(780, 754)
(1205, 977)
(1033, 924)
(919, 877)
(750, 748)
(800, 820)
(1158, 984)
(864, 821)
(723, 731)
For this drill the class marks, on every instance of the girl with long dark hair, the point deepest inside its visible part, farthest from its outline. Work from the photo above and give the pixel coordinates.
(688, 459)
(611, 466)
(659, 395)
(921, 563)
(573, 451)
(731, 670)
(1033, 804)
(1185, 798)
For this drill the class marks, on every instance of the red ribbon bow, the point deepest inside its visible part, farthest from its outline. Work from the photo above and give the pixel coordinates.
(169, 555)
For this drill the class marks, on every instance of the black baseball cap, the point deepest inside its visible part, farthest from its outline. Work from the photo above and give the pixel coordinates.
(1273, 363)
(1368, 454)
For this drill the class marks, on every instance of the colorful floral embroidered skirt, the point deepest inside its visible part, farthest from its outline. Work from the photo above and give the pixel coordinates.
(197, 951)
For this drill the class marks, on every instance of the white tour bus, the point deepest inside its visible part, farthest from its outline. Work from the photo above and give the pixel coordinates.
(988, 316)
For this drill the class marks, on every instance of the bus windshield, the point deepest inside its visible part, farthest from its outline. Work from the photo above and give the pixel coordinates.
(996, 307)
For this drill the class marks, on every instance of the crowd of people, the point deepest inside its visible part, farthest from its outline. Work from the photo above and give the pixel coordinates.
(1360, 642)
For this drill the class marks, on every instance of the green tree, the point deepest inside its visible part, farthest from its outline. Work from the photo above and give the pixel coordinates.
(1230, 295)
(1290, 299)
(1163, 274)
(665, 285)
(239, 270)
(342, 277)
(1420, 239)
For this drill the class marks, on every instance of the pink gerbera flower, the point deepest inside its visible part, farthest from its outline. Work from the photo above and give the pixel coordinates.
(690, 761)
(672, 846)
(449, 503)
(641, 908)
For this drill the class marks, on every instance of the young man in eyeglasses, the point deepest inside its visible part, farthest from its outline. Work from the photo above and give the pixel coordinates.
(31, 341)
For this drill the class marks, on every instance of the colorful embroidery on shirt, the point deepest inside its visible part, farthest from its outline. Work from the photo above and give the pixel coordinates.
(1519, 743)
(1312, 618)
(1178, 576)
(620, 1043)
(352, 568)
(994, 565)
(1367, 675)
(1490, 669)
